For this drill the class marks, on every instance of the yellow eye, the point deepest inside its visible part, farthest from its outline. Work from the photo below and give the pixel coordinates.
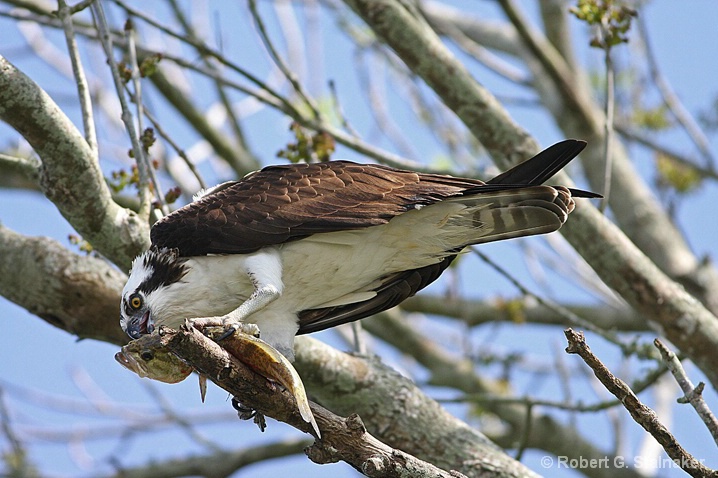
(135, 302)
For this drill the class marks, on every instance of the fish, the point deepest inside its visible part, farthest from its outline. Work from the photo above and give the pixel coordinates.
(148, 357)
(269, 363)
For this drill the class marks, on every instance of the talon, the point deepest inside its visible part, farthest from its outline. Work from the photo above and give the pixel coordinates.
(244, 413)
(260, 421)
(229, 331)
(241, 327)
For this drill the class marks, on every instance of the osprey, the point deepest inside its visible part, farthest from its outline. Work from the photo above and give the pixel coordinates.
(299, 248)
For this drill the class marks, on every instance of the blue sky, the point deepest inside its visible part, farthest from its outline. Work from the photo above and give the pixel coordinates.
(36, 356)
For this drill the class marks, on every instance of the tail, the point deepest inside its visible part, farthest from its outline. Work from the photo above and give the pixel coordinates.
(515, 204)
(512, 212)
(543, 166)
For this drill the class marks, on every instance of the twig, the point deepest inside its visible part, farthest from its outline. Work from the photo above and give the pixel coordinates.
(279, 62)
(240, 148)
(553, 63)
(137, 98)
(179, 418)
(484, 56)
(266, 96)
(609, 107)
(106, 41)
(83, 90)
(641, 414)
(367, 76)
(693, 395)
(445, 369)
(338, 110)
(206, 50)
(643, 139)
(672, 101)
(180, 152)
(498, 399)
(216, 464)
(341, 136)
(626, 348)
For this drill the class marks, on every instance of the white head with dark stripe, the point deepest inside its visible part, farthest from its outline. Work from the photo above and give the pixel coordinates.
(151, 273)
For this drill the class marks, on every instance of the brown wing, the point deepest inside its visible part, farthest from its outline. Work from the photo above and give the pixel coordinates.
(284, 203)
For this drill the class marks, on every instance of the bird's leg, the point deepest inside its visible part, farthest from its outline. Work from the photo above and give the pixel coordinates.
(264, 269)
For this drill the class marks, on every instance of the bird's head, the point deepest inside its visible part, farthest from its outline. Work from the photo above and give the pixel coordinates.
(152, 272)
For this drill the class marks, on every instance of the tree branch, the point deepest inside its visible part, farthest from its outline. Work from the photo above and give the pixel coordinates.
(692, 395)
(351, 384)
(216, 465)
(447, 370)
(477, 312)
(641, 414)
(70, 176)
(343, 439)
(75, 293)
(17, 172)
(83, 90)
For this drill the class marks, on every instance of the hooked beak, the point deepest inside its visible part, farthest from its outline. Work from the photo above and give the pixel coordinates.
(137, 327)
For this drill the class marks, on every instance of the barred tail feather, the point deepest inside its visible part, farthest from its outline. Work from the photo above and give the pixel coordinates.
(509, 214)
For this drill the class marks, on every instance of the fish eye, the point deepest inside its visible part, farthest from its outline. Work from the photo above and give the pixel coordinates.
(147, 355)
(135, 301)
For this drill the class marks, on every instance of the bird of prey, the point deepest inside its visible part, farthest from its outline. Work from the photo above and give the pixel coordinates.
(299, 248)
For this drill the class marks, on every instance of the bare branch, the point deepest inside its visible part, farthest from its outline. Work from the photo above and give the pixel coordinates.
(562, 312)
(645, 222)
(139, 153)
(672, 101)
(239, 156)
(221, 464)
(556, 27)
(448, 370)
(483, 55)
(83, 90)
(342, 438)
(288, 74)
(205, 49)
(72, 292)
(70, 177)
(147, 172)
(692, 395)
(679, 156)
(180, 152)
(640, 413)
(519, 310)
(609, 108)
